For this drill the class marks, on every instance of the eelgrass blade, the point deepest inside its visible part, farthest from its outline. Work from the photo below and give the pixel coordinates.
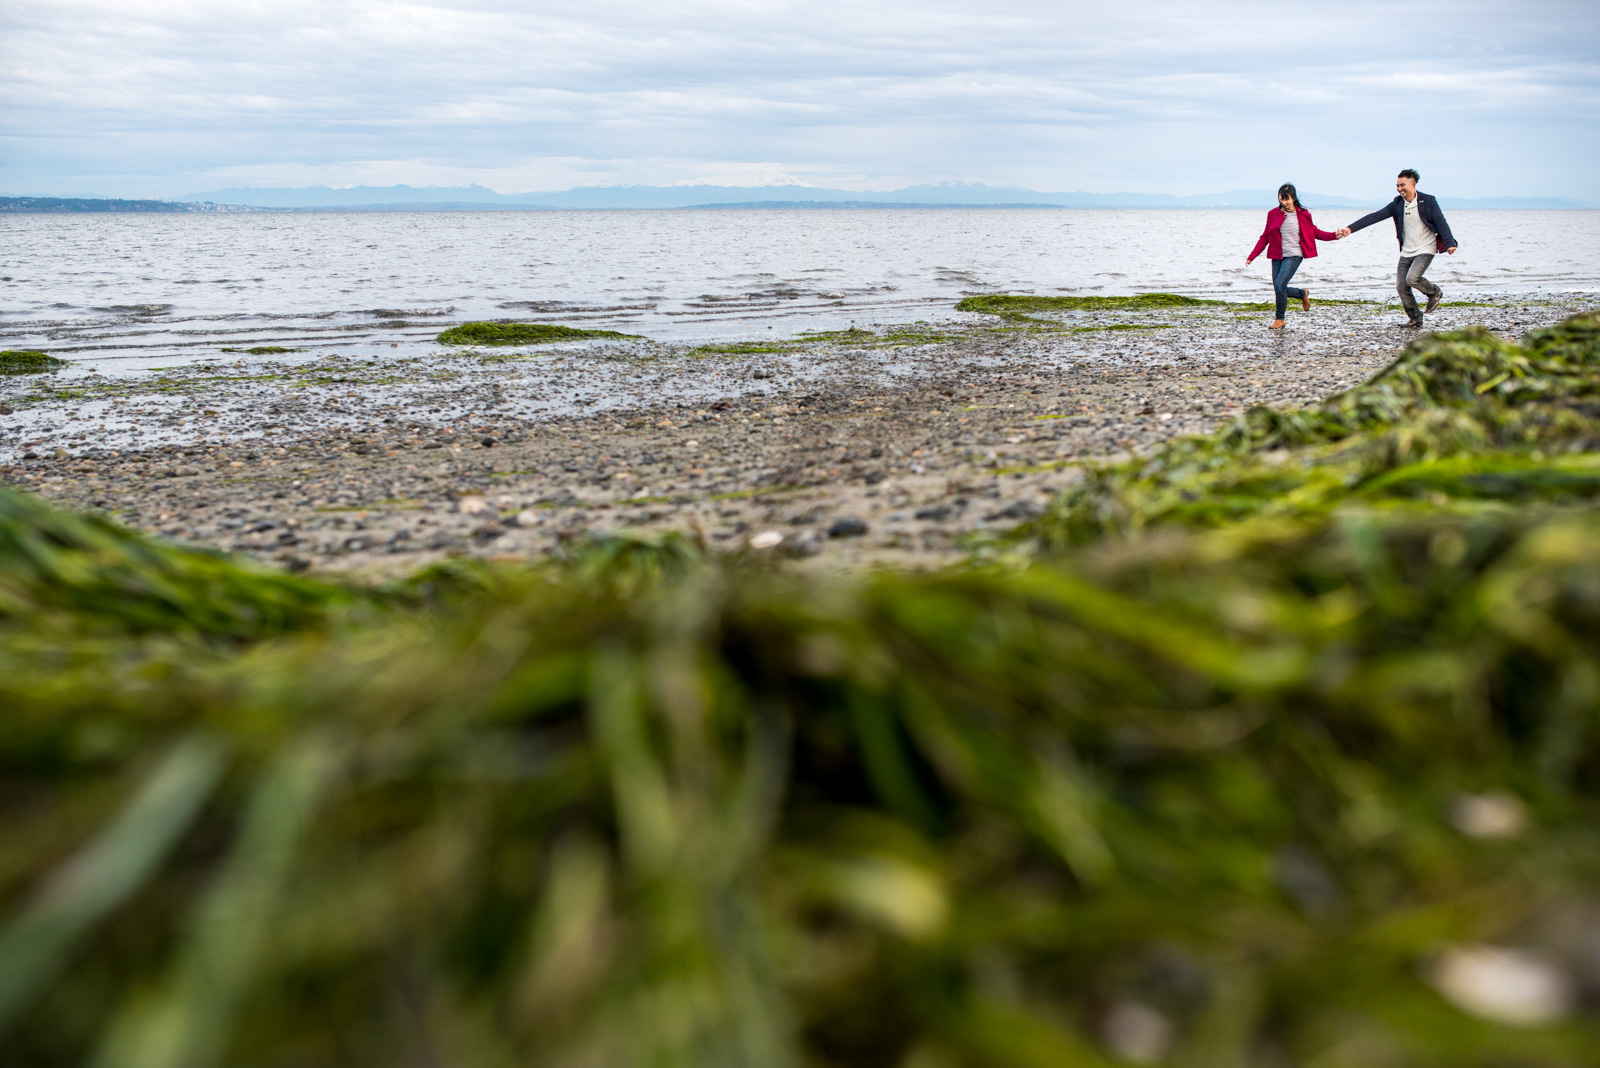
(186, 1022)
(38, 943)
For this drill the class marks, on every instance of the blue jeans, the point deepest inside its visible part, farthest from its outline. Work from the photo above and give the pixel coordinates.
(1282, 271)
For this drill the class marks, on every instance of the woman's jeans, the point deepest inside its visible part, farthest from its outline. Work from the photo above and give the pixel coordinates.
(1282, 271)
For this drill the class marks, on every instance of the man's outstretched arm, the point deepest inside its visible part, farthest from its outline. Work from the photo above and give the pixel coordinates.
(1367, 220)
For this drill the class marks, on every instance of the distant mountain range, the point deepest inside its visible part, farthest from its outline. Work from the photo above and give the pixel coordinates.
(939, 195)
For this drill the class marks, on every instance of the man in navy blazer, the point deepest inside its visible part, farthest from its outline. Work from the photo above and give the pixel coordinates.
(1423, 233)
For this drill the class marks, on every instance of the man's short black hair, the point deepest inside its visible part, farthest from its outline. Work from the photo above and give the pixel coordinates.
(1409, 173)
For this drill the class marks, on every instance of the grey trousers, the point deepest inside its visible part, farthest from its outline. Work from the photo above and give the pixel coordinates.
(1408, 275)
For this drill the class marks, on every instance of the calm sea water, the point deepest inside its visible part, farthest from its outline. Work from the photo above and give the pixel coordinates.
(124, 292)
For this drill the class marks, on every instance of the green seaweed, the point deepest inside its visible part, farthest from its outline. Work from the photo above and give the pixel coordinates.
(742, 348)
(28, 362)
(1123, 326)
(1175, 776)
(854, 337)
(508, 357)
(520, 334)
(894, 337)
(1483, 404)
(83, 575)
(853, 334)
(1017, 307)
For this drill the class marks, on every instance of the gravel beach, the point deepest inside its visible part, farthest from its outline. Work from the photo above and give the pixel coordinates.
(896, 445)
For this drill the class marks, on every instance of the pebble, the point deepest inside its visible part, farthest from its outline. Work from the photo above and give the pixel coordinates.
(848, 526)
(1495, 814)
(1510, 986)
(1137, 1033)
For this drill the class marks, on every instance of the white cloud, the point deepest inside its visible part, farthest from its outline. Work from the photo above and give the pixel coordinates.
(143, 97)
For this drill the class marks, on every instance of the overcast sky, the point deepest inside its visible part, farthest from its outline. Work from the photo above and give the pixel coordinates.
(141, 98)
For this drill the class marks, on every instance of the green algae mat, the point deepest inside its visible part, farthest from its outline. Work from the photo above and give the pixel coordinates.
(1459, 418)
(1015, 307)
(28, 362)
(520, 334)
(1275, 747)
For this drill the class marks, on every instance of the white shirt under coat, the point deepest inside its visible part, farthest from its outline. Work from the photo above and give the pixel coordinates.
(1416, 238)
(1290, 232)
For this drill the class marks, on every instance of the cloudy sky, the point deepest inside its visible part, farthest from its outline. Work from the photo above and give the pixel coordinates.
(146, 98)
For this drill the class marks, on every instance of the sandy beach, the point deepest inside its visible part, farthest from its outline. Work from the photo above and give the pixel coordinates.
(898, 445)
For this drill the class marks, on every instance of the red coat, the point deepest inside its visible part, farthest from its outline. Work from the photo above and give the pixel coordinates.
(1272, 237)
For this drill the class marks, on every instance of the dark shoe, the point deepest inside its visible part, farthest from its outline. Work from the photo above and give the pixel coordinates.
(1305, 299)
(1413, 324)
(1433, 302)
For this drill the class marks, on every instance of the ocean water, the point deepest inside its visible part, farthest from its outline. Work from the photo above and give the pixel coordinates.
(126, 292)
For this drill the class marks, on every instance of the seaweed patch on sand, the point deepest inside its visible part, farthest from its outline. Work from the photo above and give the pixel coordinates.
(1023, 307)
(743, 348)
(910, 336)
(520, 334)
(1018, 306)
(1458, 420)
(28, 362)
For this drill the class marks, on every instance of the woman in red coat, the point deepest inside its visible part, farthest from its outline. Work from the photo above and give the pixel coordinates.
(1289, 238)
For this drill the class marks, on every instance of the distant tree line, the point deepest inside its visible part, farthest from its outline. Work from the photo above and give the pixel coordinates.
(82, 204)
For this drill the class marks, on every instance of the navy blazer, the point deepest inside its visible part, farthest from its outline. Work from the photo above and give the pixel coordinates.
(1427, 208)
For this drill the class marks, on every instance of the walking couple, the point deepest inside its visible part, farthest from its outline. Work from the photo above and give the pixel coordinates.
(1290, 238)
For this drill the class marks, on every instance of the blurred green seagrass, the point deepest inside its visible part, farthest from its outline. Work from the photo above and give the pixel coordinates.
(1231, 794)
(28, 362)
(62, 573)
(520, 334)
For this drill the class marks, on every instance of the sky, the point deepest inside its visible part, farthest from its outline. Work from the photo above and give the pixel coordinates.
(139, 98)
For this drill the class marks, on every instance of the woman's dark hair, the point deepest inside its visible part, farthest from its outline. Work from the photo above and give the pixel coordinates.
(1287, 190)
(1409, 173)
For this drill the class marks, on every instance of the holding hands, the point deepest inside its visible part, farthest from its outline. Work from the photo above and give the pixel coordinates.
(1343, 231)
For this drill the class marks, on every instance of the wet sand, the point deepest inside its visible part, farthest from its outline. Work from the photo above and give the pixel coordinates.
(897, 446)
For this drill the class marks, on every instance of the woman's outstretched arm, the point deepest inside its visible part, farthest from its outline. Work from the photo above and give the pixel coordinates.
(1261, 242)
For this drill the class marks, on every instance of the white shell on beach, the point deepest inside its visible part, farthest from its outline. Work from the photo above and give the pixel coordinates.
(1508, 986)
(1494, 814)
(1137, 1033)
(767, 539)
